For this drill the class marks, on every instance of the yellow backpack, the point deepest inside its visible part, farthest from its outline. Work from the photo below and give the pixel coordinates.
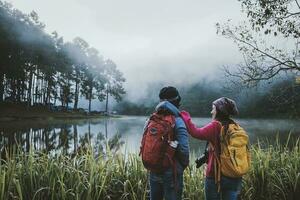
(234, 160)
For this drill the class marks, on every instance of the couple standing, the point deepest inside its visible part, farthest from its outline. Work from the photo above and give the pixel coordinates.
(167, 163)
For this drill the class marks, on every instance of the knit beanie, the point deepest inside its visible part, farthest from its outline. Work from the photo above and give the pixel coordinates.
(226, 106)
(170, 94)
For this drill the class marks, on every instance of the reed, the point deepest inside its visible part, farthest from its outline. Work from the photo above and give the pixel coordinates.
(275, 174)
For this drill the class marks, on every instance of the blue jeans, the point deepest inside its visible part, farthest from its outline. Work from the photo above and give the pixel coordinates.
(162, 186)
(230, 188)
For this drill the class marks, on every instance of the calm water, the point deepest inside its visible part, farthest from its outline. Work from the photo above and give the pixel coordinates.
(123, 134)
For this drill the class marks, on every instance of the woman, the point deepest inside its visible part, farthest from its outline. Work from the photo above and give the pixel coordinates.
(222, 109)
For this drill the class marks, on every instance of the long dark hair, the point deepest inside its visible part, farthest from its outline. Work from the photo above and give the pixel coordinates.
(224, 119)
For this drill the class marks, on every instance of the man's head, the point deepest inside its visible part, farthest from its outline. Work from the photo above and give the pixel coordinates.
(170, 94)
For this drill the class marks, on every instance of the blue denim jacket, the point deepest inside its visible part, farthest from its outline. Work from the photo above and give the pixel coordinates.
(163, 185)
(181, 134)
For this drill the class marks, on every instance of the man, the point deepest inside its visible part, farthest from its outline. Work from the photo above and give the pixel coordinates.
(166, 184)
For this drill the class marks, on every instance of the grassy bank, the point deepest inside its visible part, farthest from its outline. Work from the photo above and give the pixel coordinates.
(19, 112)
(275, 174)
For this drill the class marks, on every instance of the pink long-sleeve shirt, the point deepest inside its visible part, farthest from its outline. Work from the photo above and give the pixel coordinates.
(210, 133)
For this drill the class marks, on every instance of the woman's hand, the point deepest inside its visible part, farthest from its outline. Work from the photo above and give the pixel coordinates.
(185, 116)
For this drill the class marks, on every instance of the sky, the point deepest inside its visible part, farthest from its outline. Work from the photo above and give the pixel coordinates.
(172, 41)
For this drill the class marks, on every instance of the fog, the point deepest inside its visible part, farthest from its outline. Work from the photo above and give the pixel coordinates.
(173, 42)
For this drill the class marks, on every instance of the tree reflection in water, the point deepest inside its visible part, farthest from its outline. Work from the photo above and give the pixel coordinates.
(59, 139)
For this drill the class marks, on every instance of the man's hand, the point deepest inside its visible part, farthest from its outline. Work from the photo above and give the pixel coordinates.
(173, 144)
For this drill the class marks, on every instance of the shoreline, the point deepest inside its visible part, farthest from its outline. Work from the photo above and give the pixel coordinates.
(51, 117)
(15, 113)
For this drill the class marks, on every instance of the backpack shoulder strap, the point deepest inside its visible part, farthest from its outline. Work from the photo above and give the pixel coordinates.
(170, 119)
(217, 167)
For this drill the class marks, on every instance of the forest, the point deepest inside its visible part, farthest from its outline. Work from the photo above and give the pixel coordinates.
(279, 99)
(37, 68)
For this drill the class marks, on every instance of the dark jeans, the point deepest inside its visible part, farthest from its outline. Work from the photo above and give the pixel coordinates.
(230, 188)
(162, 186)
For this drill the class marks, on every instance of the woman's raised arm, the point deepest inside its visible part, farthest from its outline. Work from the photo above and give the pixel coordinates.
(208, 132)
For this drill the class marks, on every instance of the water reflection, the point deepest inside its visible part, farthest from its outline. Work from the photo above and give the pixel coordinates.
(121, 134)
(66, 138)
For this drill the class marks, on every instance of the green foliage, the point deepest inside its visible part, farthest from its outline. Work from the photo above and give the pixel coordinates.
(274, 175)
(280, 100)
(274, 17)
(198, 98)
(129, 108)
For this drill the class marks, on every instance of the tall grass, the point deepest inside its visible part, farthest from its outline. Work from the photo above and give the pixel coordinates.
(275, 174)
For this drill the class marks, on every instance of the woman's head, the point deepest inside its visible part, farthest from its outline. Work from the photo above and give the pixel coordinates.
(223, 108)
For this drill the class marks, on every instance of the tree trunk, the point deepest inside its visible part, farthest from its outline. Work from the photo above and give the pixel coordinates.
(32, 89)
(14, 90)
(23, 91)
(90, 102)
(48, 92)
(18, 90)
(41, 90)
(76, 95)
(55, 98)
(90, 98)
(36, 92)
(44, 89)
(106, 106)
(62, 98)
(68, 93)
(29, 88)
(1, 86)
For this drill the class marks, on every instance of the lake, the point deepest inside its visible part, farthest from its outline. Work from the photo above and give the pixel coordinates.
(120, 134)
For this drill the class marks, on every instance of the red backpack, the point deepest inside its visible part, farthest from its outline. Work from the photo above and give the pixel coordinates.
(157, 154)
